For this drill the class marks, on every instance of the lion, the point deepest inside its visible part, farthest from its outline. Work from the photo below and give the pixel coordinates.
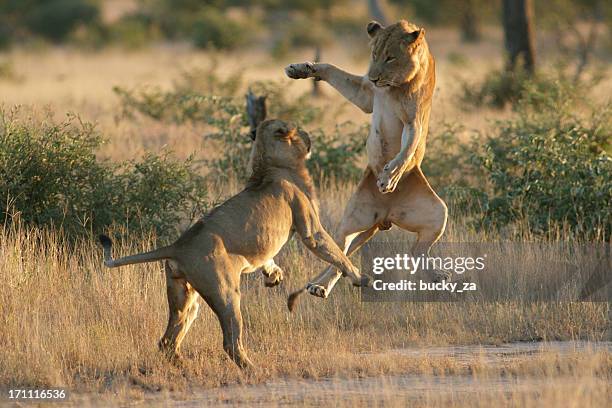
(398, 91)
(240, 236)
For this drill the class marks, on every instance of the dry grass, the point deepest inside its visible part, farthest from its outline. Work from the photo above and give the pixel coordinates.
(66, 321)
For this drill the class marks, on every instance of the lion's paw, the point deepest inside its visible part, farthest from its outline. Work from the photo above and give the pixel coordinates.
(273, 278)
(317, 290)
(390, 177)
(300, 71)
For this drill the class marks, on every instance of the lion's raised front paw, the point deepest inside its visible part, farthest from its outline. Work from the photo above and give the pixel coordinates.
(390, 176)
(273, 278)
(300, 71)
(317, 290)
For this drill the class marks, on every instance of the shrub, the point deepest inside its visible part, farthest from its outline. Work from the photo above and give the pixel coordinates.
(299, 110)
(5, 33)
(216, 105)
(203, 97)
(300, 32)
(133, 30)
(55, 19)
(337, 156)
(49, 175)
(502, 88)
(551, 169)
(197, 95)
(547, 168)
(212, 28)
(449, 166)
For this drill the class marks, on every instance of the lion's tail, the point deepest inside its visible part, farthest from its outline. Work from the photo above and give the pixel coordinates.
(292, 300)
(152, 256)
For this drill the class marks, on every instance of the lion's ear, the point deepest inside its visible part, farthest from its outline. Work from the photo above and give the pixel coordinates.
(286, 132)
(373, 27)
(414, 37)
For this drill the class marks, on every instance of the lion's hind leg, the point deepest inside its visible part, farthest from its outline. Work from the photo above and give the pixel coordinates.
(417, 208)
(182, 311)
(217, 280)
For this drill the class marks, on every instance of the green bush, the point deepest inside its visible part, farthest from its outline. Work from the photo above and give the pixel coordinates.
(49, 175)
(133, 30)
(300, 32)
(201, 96)
(211, 28)
(336, 156)
(502, 88)
(546, 168)
(5, 33)
(214, 102)
(196, 96)
(224, 117)
(55, 19)
(551, 170)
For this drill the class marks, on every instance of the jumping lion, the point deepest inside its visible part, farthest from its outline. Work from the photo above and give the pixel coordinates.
(397, 90)
(240, 236)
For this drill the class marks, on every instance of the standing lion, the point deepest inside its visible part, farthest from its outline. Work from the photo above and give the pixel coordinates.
(242, 235)
(397, 90)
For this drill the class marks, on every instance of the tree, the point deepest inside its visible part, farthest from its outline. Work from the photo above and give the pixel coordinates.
(470, 22)
(519, 33)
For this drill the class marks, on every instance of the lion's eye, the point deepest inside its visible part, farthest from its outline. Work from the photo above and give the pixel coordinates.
(390, 59)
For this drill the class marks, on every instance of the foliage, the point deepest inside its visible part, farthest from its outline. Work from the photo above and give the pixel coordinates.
(5, 33)
(549, 166)
(133, 30)
(50, 19)
(49, 175)
(55, 19)
(204, 24)
(501, 88)
(551, 169)
(447, 11)
(336, 156)
(449, 166)
(223, 113)
(301, 32)
(210, 28)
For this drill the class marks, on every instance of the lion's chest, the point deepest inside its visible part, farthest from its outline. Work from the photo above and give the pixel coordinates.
(385, 138)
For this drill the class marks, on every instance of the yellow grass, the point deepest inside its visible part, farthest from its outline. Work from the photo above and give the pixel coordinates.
(67, 321)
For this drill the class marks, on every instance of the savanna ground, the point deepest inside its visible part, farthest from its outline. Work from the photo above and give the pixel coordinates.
(68, 322)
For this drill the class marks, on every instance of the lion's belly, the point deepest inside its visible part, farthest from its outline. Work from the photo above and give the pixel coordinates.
(255, 230)
(385, 138)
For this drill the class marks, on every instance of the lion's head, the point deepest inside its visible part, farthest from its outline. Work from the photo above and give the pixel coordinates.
(279, 144)
(397, 53)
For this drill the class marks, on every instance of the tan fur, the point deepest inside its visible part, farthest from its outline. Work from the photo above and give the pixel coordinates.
(240, 236)
(398, 91)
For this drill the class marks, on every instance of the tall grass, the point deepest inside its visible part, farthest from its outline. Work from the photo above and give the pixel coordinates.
(68, 321)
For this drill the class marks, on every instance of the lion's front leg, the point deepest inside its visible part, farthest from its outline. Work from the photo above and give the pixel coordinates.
(357, 89)
(393, 171)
